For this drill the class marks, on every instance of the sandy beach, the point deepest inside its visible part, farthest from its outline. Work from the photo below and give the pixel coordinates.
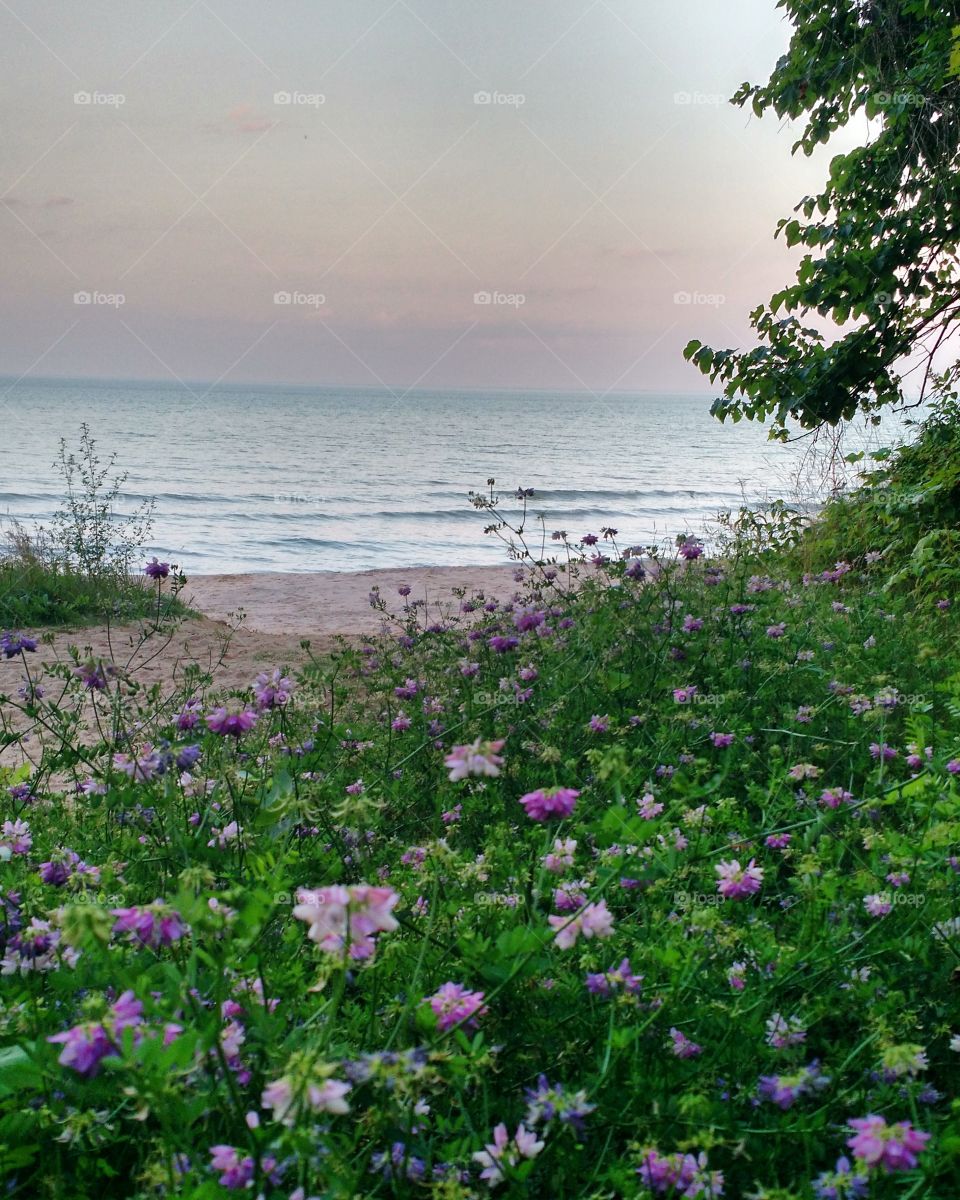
(279, 611)
(322, 604)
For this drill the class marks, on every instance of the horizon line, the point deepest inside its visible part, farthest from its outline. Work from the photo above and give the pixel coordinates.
(387, 389)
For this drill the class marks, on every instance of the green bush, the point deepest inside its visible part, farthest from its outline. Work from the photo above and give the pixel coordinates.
(907, 507)
(87, 566)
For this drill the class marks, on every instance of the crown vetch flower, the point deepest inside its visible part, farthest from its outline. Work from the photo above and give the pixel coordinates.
(94, 675)
(238, 1173)
(680, 1175)
(319, 1093)
(785, 1031)
(561, 856)
(891, 1147)
(140, 767)
(12, 644)
(785, 1090)
(231, 724)
(84, 1048)
(17, 838)
(479, 758)
(834, 797)
(339, 917)
(594, 921)
(551, 1101)
(611, 981)
(505, 1152)
(86, 1045)
(156, 570)
(454, 1005)
(545, 803)
(682, 1046)
(272, 690)
(152, 925)
(879, 904)
(841, 1183)
(735, 881)
(38, 947)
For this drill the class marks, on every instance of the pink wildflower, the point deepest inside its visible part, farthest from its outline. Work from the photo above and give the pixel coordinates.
(318, 1095)
(892, 1147)
(681, 1045)
(505, 1152)
(878, 904)
(545, 803)
(594, 921)
(479, 758)
(231, 724)
(735, 881)
(454, 1005)
(347, 916)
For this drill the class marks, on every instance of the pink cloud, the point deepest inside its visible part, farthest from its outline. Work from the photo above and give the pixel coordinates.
(244, 120)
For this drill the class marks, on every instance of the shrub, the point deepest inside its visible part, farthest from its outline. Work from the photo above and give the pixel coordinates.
(906, 505)
(86, 566)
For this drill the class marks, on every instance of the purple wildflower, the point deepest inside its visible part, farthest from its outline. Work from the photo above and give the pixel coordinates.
(545, 803)
(12, 644)
(156, 570)
(892, 1147)
(231, 724)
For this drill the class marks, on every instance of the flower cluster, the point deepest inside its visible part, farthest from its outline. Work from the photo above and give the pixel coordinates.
(347, 919)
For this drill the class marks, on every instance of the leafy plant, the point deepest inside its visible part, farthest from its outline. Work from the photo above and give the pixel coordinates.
(881, 236)
(87, 565)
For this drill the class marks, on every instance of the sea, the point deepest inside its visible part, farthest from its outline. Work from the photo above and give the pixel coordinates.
(283, 478)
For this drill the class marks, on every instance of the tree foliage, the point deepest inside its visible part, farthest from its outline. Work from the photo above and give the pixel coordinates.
(881, 237)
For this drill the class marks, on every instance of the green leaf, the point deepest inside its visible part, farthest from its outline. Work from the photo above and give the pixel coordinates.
(18, 1070)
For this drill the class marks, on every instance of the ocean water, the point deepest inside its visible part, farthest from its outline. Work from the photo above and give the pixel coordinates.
(297, 479)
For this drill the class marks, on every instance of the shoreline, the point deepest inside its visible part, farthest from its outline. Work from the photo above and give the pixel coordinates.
(331, 603)
(282, 610)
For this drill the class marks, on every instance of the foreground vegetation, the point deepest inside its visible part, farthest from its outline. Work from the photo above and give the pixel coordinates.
(646, 888)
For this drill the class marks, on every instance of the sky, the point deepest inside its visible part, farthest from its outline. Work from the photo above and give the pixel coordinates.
(409, 193)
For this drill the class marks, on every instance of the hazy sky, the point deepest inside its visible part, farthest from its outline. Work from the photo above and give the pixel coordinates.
(605, 177)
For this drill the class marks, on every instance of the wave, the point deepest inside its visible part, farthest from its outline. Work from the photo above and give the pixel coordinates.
(613, 495)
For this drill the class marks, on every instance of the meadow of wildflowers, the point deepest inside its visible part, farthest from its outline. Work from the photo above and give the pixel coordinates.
(646, 888)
